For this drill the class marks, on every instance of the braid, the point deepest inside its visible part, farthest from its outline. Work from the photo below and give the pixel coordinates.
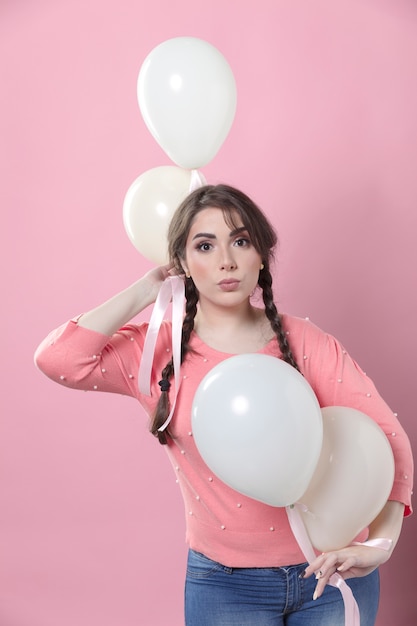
(163, 406)
(265, 282)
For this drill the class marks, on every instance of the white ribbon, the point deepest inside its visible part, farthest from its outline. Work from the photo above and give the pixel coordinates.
(197, 180)
(172, 289)
(298, 528)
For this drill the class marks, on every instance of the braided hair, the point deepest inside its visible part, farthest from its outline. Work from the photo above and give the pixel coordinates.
(233, 203)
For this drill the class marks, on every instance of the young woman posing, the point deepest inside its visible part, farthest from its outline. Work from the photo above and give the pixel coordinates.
(245, 566)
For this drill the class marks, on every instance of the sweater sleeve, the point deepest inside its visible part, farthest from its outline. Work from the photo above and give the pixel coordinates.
(339, 381)
(84, 359)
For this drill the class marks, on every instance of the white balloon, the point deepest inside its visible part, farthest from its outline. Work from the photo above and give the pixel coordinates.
(352, 481)
(258, 426)
(187, 97)
(149, 205)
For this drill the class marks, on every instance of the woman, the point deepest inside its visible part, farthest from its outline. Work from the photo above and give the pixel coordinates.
(244, 567)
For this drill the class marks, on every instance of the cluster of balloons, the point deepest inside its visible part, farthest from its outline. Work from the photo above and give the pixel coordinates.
(187, 96)
(256, 421)
(258, 426)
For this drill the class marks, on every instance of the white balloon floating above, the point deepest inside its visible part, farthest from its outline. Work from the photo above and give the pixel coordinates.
(149, 204)
(187, 97)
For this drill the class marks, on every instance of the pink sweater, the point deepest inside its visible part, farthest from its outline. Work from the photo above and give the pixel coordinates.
(224, 525)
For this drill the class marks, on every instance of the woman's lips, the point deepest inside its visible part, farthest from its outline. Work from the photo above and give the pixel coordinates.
(229, 284)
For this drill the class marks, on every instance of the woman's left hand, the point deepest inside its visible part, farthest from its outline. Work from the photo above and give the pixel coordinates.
(359, 559)
(353, 561)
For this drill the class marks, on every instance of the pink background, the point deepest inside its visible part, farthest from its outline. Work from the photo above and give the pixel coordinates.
(325, 139)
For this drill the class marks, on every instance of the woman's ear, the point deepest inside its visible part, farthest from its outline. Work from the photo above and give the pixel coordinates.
(184, 267)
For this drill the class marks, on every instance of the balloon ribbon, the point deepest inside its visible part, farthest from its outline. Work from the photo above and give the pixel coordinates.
(298, 528)
(171, 289)
(197, 180)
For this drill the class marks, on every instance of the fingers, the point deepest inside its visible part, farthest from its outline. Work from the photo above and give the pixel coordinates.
(352, 561)
(325, 566)
(321, 584)
(346, 564)
(327, 562)
(315, 566)
(323, 575)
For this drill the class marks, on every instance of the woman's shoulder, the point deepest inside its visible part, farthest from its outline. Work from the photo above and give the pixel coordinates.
(295, 324)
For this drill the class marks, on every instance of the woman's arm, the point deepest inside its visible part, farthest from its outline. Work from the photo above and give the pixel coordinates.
(108, 317)
(94, 353)
(360, 560)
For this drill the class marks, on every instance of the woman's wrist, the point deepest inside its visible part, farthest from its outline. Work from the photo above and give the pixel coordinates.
(108, 317)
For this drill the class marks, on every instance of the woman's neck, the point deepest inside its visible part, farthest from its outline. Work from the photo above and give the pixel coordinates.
(233, 330)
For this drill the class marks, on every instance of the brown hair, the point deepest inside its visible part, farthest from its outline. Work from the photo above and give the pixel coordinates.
(263, 237)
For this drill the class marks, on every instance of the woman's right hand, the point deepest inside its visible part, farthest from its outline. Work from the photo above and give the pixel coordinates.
(108, 317)
(155, 277)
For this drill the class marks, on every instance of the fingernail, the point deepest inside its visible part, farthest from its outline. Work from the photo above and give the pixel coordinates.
(319, 575)
(303, 573)
(315, 595)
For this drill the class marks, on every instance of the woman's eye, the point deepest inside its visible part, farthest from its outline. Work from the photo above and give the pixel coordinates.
(241, 242)
(204, 246)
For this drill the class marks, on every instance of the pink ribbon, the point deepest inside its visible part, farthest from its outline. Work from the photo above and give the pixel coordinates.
(379, 542)
(172, 289)
(352, 617)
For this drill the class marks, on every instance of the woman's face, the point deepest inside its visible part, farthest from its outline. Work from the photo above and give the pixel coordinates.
(221, 260)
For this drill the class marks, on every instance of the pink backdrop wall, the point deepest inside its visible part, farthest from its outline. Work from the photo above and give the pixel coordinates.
(325, 139)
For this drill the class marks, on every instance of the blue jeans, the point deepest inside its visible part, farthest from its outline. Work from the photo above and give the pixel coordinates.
(216, 595)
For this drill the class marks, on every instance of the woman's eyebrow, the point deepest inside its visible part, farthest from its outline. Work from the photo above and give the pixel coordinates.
(232, 233)
(205, 235)
(236, 231)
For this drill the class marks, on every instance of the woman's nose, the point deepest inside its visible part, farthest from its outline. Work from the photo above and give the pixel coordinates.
(227, 262)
